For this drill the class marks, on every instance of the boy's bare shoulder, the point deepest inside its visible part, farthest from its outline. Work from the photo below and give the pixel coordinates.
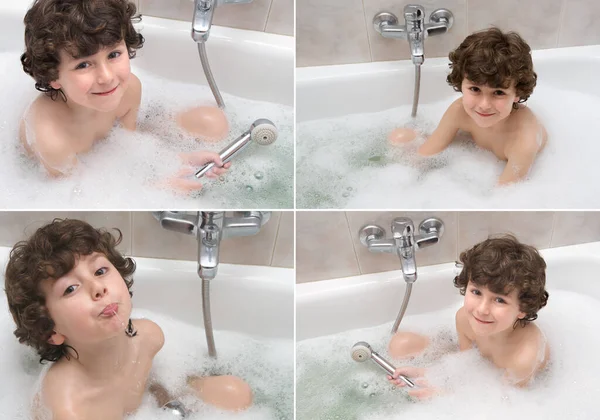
(150, 333)
(530, 355)
(462, 325)
(531, 135)
(61, 391)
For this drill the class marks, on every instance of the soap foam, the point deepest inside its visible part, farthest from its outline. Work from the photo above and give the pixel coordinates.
(353, 151)
(123, 170)
(265, 364)
(330, 385)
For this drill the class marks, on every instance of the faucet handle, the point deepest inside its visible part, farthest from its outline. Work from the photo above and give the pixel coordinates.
(177, 221)
(245, 223)
(402, 227)
(441, 20)
(431, 230)
(414, 12)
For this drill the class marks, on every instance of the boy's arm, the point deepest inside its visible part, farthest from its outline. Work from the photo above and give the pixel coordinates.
(51, 150)
(521, 155)
(134, 93)
(464, 343)
(525, 365)
(445, 131)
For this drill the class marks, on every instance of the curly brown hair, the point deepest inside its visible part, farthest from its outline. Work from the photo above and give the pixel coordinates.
(503, 264)
(80, 28)
(50, 253)
(496, 59)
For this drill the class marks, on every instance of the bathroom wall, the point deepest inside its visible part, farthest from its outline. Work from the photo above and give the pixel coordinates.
(327, 244)
(273, 16)
(341, 31)
(143, 237)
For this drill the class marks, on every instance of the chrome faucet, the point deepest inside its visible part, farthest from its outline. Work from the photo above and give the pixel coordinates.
(404, 241)
(415, 30)
(210, 227)
(203, 16)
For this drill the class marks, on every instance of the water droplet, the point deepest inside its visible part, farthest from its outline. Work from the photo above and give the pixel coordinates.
(345, 194)
(349, 188)
(365, 385)
(221, 178)
(258, 175)
(249, 188)
(372, 395)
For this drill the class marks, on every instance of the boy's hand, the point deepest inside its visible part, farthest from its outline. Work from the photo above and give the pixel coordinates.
(184, 181)
(423, 390)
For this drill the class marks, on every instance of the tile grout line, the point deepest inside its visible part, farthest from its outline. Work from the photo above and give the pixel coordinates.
(367, 31)
(352, 243)
(561, 17)
(276, 239)
(554, 217)
(268, 15)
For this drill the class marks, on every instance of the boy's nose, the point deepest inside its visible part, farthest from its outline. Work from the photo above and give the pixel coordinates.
(99, 290)
(484, 307)
(104, 74)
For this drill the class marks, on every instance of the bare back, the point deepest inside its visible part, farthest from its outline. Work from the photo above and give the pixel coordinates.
(70, 394)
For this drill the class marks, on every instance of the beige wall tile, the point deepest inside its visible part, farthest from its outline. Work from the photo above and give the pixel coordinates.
(579, 24)
(17, 226)
(575, 227)
(369, 262)
(281, 17)
(436, 46)
(252, 16)
(252, 250)
(150, 240)
(323, 246)
(283, 256)
(330, 32)
(170, 9)
(536, 21)
(530, 227)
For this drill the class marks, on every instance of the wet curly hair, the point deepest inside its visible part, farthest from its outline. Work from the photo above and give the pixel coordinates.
(50, 253)
(80, 28)
(503, 264)
(496, 59)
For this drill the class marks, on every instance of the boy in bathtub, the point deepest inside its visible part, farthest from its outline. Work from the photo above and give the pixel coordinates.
(68, 290)
(78, 52)
(494, 72)
(503, 282)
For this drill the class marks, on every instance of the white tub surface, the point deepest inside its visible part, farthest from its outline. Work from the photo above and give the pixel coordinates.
(333, 91)
(249, 64)
(333, 306)
(253, 300)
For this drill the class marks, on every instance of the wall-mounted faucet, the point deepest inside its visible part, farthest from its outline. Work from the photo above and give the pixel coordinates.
(415, 30)
(203, 16)
(404, 243)
(209, 228)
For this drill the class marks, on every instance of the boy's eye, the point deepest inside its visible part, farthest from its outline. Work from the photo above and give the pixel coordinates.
(475, 292)
(70, 289)
(83, 65)
(101, 271)
(500, 300)
(474, 89)
(500, 93)
(114, 54)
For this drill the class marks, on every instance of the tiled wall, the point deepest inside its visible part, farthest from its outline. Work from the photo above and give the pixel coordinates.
(327, 244)
(143, 237)
(274, 16)
(341, 31)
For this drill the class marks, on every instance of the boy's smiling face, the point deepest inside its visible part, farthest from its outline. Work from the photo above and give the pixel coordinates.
(98, 81)
(83, 302)
(487, 106)
(490, 313)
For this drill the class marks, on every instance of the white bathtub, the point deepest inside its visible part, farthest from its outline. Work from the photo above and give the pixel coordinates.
(566, 95)
(334, 314)
(253, 70)
(250, 64)
(262, 297)
(332, 306)
(252, 308)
